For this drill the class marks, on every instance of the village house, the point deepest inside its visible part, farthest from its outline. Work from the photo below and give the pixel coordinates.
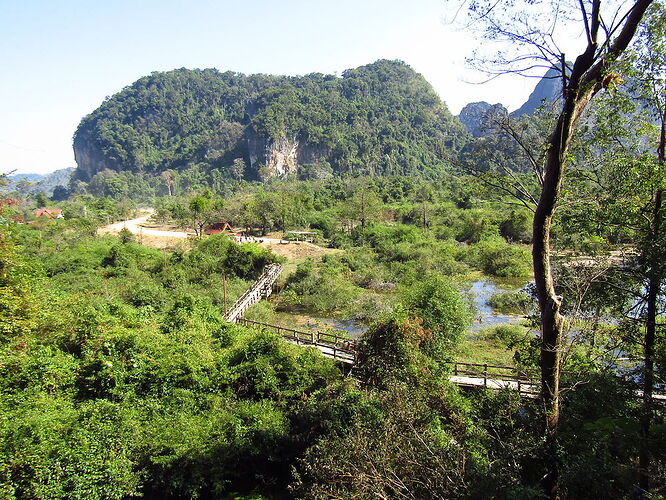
(50, 213)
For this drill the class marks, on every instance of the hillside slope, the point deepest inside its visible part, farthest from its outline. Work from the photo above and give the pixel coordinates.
(382, 118)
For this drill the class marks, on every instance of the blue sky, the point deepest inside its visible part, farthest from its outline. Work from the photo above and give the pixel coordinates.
(60, 59)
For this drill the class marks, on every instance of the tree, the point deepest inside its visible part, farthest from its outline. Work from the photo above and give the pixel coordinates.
(41, 200)
(651, 83)
(201, 213)
(423, 196)
(530, 29)
(508, 157)
(60, 193)
(442, 313)
(363, 204)
(262, 210)
(623, 174)
(238, 169)
(167, 177)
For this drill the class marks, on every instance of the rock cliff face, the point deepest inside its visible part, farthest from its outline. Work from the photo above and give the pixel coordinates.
(256, 148)
(474, 114)
(89, 159)
(282, 157)
(547, 90)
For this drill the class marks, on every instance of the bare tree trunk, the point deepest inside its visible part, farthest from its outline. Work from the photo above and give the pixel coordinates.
(654, 284)
(584, 82)
(648, 372)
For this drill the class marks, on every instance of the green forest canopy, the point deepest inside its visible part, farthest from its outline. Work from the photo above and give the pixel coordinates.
(382, 118)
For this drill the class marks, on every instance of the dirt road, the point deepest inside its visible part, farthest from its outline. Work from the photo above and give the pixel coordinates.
(148, 233)
(157, 236)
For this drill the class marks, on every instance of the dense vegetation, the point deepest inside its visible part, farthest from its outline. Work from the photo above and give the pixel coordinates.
(382, 118)
(119, 377)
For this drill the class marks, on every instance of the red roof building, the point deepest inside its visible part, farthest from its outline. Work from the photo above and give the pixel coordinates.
(219, 227)
(51, 213)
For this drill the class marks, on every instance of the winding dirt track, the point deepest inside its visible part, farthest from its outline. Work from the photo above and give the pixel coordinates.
(162, 238)
(137, 226)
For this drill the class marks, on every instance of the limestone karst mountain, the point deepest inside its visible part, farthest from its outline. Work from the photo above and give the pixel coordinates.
(378, 119)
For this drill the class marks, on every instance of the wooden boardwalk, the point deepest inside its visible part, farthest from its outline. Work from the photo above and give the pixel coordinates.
(506, 377)
(495, 377)
(344, 349)
(260, 289)
(332, 346)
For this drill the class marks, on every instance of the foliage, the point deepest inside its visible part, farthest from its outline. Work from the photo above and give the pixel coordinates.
(414, 450)
(497, 258)
(382, 118)
(444, 314)
(512, 302)
(114, 386)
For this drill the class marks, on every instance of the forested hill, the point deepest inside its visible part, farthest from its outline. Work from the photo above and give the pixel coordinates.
(382, 118)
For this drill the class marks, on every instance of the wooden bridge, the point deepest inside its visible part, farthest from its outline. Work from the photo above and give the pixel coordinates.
(495, 377)
(260, 289)
(344, 349)
(337, 347)
(506, 377)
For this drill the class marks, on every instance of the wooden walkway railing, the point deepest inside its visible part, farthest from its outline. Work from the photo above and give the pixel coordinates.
(528, 384)
(332, 346)
(343, 349)
(260, 289)
(495, 377)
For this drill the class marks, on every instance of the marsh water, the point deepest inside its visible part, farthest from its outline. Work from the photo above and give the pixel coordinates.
(481, 291)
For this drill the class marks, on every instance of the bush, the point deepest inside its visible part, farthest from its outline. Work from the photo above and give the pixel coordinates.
(324, 290)
(145, 294)
(218, 254)
(443, 311)
(511, 302)
(498, 258)
(517, 227)
(509, 335)
(389, 349)
(126, 236)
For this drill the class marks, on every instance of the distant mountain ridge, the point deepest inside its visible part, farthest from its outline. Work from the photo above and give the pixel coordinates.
(474, 114)
(379, 119)
(547, 90)
(45, 183)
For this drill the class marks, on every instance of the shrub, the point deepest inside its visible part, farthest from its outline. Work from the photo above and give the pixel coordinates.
(389, 349)
(498, 258)
(443, 311)
(509, 335)
(145, 294)
(511, 302)
(517, 227)
(126, 236)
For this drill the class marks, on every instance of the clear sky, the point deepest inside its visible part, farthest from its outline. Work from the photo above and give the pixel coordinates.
(61, 58)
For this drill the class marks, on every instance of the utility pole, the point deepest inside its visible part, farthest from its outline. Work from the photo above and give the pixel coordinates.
(224, 287)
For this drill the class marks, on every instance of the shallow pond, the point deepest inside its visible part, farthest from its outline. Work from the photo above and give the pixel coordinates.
(352, 328)
(481, 291)
(304, 322)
